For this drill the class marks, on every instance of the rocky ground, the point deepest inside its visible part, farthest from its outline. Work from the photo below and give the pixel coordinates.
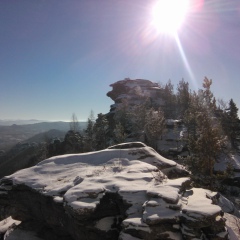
(124, 192)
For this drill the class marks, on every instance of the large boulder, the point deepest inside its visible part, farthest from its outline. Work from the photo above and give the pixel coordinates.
(118, 193)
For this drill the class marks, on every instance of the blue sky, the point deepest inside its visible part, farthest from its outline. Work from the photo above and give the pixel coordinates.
(58, 57)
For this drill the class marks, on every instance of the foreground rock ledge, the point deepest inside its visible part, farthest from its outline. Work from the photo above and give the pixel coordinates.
(117, 193)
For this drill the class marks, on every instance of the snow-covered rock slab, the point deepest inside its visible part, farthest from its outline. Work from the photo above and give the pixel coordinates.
(198, 212)
(233, 226)
(109, 194)
(199, 205)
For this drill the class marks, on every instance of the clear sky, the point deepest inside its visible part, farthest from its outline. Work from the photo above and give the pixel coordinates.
(58, 57)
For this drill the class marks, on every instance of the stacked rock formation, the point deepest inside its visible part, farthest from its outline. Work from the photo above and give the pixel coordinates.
(123, 192)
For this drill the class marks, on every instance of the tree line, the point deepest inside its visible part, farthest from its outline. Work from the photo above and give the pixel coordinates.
(146, 121)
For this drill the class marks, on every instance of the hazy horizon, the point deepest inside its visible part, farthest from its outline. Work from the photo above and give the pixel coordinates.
(9, 122)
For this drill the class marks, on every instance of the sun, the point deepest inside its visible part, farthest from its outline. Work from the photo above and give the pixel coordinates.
(168, 15)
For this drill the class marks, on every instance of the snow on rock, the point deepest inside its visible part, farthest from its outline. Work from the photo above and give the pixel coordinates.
(159, 212)
(31, 230)
(116, 193)
(6, 224)
(167, 193)
(199, 216)
(233, 226)
(226, 205)
(199, 204)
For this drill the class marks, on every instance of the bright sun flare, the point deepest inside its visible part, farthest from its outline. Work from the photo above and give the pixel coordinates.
(168, 15)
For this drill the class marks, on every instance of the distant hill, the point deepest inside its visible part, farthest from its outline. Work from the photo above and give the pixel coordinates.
(11, 135)
(45, 136)
(15, 161)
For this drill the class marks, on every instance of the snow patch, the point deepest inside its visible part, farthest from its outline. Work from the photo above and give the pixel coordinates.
(199, 205)
(7, 223)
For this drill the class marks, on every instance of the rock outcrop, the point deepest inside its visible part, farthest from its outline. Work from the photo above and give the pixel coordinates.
(123, 192)
(133, 91)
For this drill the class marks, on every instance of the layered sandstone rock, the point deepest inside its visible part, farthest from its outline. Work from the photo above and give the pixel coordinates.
(134, 91)
(117, 193)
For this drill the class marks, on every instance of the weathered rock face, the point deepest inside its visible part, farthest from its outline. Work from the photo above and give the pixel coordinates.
(118, 193)
(134, 90)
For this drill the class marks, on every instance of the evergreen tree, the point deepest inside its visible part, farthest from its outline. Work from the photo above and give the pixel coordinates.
(233, 110)
(89, 134)
(122, 115)
(138, 115)
(209, 143)
(232, 123)
(100, 132)
(73, 143)
(170, 100)
(205, 139)
(190, 116)
(208, 100)
(155, 124)
(119, 134)
(183, 98)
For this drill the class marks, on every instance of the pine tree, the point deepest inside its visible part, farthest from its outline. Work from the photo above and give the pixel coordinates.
(205, 139)
(119, 134)
(154, 126)
(138, 115)
(89, 134)
(233, 123)
(100, 132)
(122, 115)
(209, 142)
(183, 98)
(190, 116)
(233, 110)
(73, 143)
(208, 100)
(170, 100)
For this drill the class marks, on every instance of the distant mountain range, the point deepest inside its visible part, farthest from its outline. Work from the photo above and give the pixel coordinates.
(12, 133)
(10, 122)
